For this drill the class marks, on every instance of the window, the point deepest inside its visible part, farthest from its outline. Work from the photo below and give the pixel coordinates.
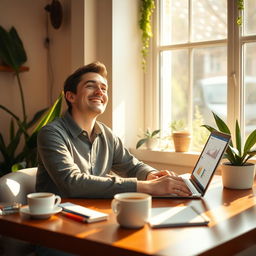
(202, 62)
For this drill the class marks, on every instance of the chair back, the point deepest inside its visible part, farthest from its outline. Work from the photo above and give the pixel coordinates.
(15, 186)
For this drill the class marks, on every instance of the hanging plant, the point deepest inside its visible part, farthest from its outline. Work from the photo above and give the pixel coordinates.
(146, 11)
(240, 7)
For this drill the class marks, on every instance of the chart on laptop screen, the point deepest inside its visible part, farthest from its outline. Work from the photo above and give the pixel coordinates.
(209, 159)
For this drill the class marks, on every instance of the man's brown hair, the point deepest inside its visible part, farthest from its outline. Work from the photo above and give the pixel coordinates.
(73, 80)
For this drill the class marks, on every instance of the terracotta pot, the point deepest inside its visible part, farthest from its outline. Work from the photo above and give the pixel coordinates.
(238, 177)
(181, 141)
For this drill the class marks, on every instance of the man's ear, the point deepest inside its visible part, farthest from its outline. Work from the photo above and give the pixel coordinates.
(70, 96)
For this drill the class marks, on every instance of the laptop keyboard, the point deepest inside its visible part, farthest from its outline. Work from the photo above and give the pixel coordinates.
(190, 186)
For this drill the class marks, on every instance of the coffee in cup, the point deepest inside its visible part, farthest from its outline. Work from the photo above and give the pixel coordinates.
(43, 202)
(132, 209)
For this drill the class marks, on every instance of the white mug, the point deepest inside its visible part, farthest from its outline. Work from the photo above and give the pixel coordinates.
(132, 209)
(41, 203)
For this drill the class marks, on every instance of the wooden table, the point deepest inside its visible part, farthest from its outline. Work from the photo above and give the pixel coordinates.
(232, 228)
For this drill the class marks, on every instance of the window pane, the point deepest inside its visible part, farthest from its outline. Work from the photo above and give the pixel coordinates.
(249, 17)
(174, 22)
(209, 20)
(250, 88)
(193, 79)
(174, 87)
(210, 82)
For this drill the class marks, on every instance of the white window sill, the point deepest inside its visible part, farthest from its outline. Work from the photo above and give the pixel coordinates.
(187, 159)
(166, 157)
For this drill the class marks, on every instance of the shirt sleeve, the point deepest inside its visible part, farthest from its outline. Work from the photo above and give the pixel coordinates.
(56, 158)
(126, 165)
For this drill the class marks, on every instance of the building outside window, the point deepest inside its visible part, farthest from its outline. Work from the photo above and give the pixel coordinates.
(203, 61)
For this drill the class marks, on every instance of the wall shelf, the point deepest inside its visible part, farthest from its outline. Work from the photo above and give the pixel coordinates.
(9, 69)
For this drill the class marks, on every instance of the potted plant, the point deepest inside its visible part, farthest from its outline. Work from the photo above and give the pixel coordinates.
(180, 135)
(13, 56)
(237, 173)
(150, 139)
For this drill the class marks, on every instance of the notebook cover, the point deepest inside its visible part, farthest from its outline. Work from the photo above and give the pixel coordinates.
(176, 217)
(89, 214)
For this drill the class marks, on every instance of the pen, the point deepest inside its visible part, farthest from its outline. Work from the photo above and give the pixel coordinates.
(15, 206)
(74, 216)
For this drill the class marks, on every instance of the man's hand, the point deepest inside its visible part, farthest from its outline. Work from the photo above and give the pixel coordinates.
(157, 174)
(166, 184)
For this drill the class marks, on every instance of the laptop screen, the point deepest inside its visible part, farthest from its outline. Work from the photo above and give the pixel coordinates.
(209, 159)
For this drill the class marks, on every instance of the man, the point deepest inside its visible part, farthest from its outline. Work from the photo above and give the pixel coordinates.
(77, 153)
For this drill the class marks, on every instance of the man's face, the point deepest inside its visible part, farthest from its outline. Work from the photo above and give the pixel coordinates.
(91, 95)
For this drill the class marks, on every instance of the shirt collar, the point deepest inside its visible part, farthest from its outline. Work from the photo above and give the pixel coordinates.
(75, 129)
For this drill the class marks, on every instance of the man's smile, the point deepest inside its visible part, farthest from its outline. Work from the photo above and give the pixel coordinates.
(96, 99)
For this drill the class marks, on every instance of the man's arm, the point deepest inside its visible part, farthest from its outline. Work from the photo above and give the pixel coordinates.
(126, 165)
(167, 184)
(56, 155)
(156, 182)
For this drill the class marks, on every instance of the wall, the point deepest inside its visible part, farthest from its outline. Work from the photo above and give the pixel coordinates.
(107, 32)
(47, 69)
(32, 31)
(104, 53)
(127, 72)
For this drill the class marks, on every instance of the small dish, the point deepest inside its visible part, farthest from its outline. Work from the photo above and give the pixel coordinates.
(25, 210)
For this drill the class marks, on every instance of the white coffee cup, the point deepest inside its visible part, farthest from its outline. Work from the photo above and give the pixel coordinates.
(43, 202)
(132, 209)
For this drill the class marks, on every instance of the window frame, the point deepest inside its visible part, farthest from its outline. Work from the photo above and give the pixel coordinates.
(234, 43)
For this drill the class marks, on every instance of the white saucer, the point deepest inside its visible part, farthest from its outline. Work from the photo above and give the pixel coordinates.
(25, 210)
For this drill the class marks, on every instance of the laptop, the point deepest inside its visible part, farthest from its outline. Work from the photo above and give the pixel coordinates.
(206, 165)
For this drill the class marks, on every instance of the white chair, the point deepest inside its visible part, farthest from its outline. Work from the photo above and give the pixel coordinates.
(14, 187)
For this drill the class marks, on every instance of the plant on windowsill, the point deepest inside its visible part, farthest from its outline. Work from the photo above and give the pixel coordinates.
(146, 10)
(240, 7)
(13, 56)
(150, 139)
(180, 135)
(238, 173)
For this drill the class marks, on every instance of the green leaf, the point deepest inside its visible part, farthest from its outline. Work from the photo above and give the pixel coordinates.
(229, 151)
(18, 166)
(12, 130)
(250, 142)
(208, 127)
(252, 152)
(23, 127)
(36, 117)
(12, 51)
(17, 48)
(232, 155)
(221, 124)
(234, 150)
(238, 139)
(53, 112)
(154, 133)
(9, 112)
(14, 143)
(32, 140)
(6, 48)
(140, 143)
(3, 149)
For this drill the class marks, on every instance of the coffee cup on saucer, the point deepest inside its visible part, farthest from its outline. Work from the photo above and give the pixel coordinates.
(132, 209)
(43, 202)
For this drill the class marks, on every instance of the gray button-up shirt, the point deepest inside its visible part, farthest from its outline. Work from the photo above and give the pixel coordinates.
(71, 166)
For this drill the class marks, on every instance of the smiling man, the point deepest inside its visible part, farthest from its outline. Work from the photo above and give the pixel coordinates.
(76, 153)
